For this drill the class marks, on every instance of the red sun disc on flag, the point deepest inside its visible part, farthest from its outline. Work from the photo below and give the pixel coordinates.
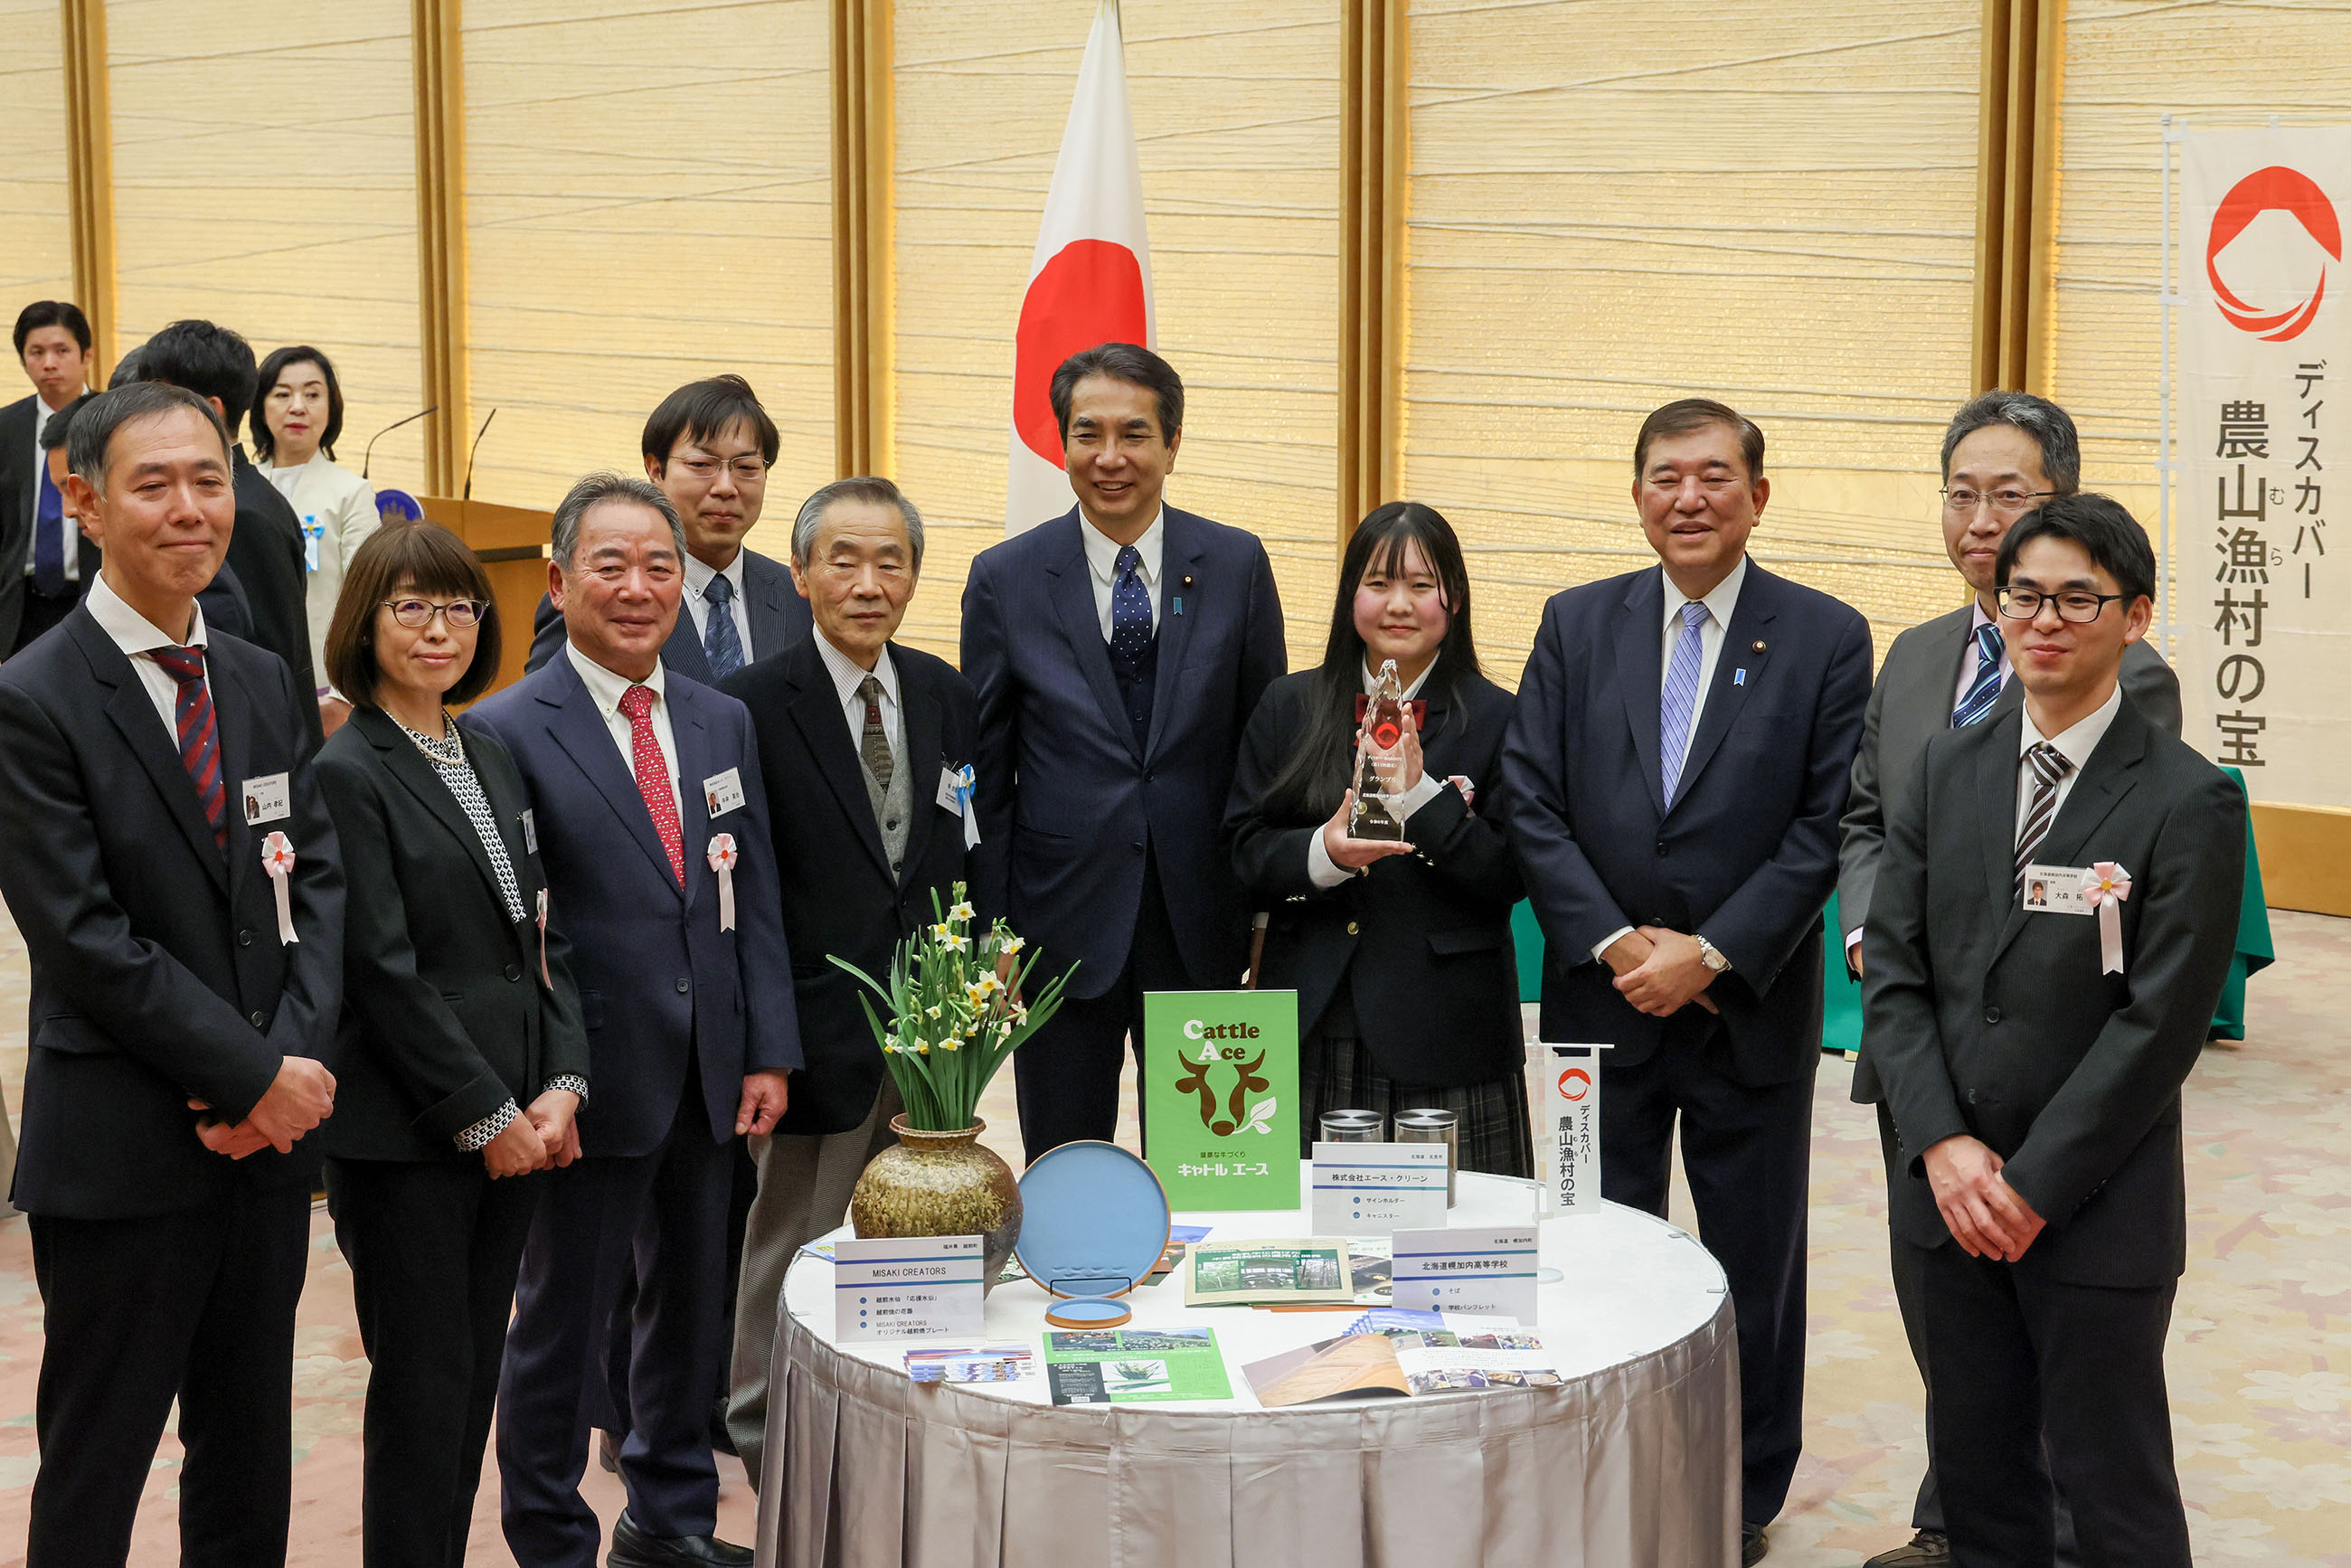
(1090, 293)
(2274, 189)
(1574, 1083)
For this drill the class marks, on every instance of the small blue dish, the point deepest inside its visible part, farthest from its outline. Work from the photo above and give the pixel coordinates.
(1094, 1224)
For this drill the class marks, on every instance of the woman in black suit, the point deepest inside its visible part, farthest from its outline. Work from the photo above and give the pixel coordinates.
(462, 1059)
(1400, 951)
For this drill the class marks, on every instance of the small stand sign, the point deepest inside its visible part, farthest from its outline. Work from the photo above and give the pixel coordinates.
(909, 1287)
(1220, 1097)
(1571, 1125)
(1372, 1189)
(1487, 1271)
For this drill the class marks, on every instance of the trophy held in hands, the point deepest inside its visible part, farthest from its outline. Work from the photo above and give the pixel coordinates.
(1380, 762)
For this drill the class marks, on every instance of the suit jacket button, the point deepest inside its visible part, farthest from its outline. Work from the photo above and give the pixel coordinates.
(1351, 928)
(514, 972)
(1661, 847)
(245, 939)
(258, 1020)
(1992, 1015)
(681, 985)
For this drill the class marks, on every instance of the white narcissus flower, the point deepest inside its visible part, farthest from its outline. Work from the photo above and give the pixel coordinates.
(962, 912)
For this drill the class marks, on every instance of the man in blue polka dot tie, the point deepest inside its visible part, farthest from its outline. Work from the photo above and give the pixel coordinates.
(1118, 651)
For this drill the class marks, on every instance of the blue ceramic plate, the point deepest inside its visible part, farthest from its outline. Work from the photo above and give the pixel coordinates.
(1094, 1221)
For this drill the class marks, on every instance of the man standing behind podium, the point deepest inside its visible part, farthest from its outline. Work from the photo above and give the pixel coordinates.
(182, 1000)
(1672, 780)
(710, 448)
(642, 784)
(1118, 652)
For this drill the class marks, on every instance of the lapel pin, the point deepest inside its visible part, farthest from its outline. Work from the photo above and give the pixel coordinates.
(1759, 644)
(1739, 677)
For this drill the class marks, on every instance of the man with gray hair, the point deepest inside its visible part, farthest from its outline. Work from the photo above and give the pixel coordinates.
(865, 746)
(650, 817)
(2004, 453)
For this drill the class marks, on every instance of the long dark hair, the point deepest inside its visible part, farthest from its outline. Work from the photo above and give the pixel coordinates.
(264, 444)
(1322, 769)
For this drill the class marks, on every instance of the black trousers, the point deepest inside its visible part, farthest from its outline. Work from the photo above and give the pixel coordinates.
(1067, 1073)
(2018, 1362)
(1748, 1152)
(196, 1305)
(1908, 1267)
(433, 1247)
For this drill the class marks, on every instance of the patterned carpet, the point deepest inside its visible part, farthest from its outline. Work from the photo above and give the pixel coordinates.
(2261, 1360)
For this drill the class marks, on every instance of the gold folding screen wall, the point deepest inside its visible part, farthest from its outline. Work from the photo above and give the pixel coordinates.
(36, 259)
(267, 180)
(648, 199)
(1237, 111)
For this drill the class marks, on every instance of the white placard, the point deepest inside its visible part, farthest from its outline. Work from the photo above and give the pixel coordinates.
(1482, 1270)
(912, 1287)
(1372, 1189)
(1570, 1155)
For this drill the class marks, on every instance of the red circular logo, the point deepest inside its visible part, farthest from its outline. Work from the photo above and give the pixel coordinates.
(2274, 189)
(1090, 293)
(1574, 1084)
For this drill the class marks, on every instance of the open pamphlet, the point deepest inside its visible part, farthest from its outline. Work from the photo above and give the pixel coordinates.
(1389, 1352)
(971, 1364)
(1267, 1273)
(1134, 1367)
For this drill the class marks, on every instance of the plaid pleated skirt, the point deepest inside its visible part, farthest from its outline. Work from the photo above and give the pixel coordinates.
(1336, 1073)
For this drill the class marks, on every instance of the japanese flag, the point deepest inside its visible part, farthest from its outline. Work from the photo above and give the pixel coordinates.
(1090, 281)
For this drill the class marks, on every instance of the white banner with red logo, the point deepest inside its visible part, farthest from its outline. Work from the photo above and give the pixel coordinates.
(2262, 595)
(1569, 1157)
(1090, 281)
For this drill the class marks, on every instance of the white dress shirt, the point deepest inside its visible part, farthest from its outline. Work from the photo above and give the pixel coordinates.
(847, 677)
(137, 637)
(1720, 603)
(1968, 659)
(42, 412)
(697, 581)
(606, 689)
(1320, 869)
(2076, 743)
(1102, 561)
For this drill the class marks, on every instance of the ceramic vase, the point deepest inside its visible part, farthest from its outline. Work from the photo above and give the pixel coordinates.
(940, 1184)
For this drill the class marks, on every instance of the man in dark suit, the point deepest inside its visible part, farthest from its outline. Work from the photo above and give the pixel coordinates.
(710, 446)
(1673, 780)
(2034, 1051)
(642, 783)
(181, 1012)
(267, 552)
(2003, 454)
(46, 564)
(861, 741)
(1118, 651)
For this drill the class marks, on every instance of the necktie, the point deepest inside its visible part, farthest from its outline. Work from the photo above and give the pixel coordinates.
(652, 776)
(1985, 689)
(1680, 698)
(875, 745)
(2049, 768)
(49, 536)
(722, 644)
(191, 712)
(1130, 606)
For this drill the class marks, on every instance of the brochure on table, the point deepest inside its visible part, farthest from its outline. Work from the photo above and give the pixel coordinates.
(1134, 1367)
(1389, 1352)
(1374, 1189)
(1481, 1269)
(1220, 1097)
(1272, 1272)
(908, 1287)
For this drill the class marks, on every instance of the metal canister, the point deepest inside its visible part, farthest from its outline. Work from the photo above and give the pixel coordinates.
(1352, 1127)
(1434, 1127)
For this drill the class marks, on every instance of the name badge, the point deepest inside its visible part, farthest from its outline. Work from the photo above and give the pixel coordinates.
(950, 799)
(268, 799)
(722, 792)
(2054, 890)
(530, 832)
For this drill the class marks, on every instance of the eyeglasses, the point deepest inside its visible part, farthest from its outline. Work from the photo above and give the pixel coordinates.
(1963, 501)
(746, 470)
(417, 614)
(2077, 605)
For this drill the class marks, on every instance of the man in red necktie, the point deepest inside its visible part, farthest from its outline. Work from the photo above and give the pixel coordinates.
(691, 1029)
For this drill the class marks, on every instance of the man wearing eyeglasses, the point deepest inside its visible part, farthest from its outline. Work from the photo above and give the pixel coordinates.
(709, 446)
(2004, 454)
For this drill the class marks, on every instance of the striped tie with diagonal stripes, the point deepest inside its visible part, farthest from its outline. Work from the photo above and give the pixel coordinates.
(1678, 701)
(1984, 690)
(199, 735)
(2050, 767)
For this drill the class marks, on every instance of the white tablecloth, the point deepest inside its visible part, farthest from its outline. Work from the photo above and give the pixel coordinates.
(1633, 1461)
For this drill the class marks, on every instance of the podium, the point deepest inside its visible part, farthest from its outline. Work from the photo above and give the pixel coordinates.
(512, 543)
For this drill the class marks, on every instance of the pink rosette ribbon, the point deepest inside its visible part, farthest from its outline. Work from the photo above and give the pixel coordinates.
(2104, 886)
(723, 857)
(277, 860)
(545, 978)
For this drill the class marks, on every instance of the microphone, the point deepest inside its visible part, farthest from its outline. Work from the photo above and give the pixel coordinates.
(470, 452)
(369, 455)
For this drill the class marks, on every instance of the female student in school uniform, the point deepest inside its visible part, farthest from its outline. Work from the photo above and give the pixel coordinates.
(297, 415)
(462, 1057)
(1400, 951)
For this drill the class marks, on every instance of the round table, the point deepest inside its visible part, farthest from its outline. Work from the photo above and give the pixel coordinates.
(1635, 1459)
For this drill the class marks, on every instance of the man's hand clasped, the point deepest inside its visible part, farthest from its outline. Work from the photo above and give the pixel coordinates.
(1659, 971)
(302, 1096)
(1986, 1216)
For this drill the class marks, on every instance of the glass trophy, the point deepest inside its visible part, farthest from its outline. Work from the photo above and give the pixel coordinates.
(1379, 762)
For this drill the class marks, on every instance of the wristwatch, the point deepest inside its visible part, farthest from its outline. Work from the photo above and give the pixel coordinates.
(1711, 956)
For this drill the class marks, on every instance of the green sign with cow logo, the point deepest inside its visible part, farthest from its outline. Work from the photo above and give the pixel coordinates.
(1220, 1097)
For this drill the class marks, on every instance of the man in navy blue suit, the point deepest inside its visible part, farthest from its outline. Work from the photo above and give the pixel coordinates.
(1118, 651)
(1672, 780)
(710, 446)
(639, 779)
